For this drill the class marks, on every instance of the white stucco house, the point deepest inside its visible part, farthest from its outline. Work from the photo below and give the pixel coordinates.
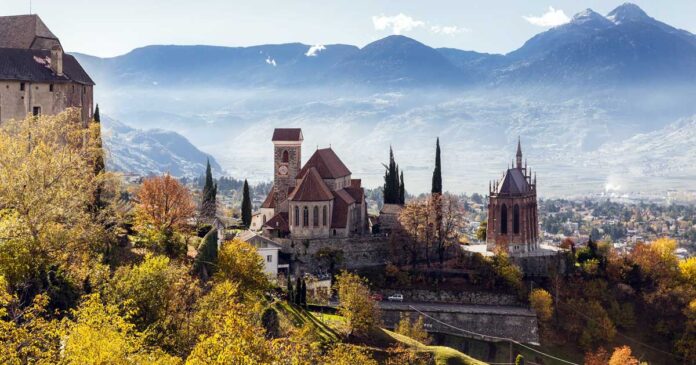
(269, 252)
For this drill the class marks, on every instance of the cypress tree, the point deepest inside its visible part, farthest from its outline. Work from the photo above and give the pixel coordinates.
(391, 181)
(298, 291)
(437, 174)
(291, 296)
(207, 255)
(246, 206)
(402, 190)
(97, 118)
(209, 204)
(99, 165)
(303, 294)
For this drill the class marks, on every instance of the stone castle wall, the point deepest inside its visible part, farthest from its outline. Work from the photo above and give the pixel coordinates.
(450, 297)
(357, 252)
(516, 325)
(17, 104)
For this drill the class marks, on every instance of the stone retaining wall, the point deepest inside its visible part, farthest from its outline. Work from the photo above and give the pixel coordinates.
(357, 252)
(519, 327)
(464, 297)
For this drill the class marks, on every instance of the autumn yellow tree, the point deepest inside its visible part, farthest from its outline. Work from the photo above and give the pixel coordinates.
(541, 302)
(163, 209)
(413, 329)
(101, 335)
(26, 336)
(47, 186)
(356, 305)
(622, 356)
(240, 262)
(430, 227)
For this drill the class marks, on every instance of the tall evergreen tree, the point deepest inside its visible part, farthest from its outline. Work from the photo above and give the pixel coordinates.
(209, 195)
(303, 294)
(437, 174)
(298, 291)
(99, 165)
(97, 118)
(402, 190)
(391, 181)
(246, 206)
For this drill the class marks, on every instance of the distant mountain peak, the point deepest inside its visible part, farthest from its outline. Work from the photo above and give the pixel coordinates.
(627, 12)
(588, 15)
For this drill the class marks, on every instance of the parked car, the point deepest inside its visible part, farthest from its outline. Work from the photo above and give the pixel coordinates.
(396, 298)
(377, 297)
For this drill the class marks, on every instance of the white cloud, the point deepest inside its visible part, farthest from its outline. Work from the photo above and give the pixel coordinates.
(271, 61)
(398, 23)
(448, 29)
(314, 50)
(401, 23)
(551, 18)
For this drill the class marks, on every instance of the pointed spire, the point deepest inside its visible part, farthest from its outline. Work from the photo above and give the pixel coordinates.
(519, 153)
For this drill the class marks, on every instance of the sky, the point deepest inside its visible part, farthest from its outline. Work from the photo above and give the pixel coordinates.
(109, 28)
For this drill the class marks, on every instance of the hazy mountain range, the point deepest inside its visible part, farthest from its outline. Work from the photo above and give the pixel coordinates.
(625, 46)
(584, 96)
(154, 151)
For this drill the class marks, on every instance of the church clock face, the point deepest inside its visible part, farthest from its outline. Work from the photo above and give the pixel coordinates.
(283, 170)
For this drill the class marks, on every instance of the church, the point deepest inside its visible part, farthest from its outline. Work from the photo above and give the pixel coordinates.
(317, 200)
(513, 225)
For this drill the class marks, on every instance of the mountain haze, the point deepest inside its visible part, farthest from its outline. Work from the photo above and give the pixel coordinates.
(583, 96)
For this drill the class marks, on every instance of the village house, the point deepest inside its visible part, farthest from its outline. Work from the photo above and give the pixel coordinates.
(36, 76)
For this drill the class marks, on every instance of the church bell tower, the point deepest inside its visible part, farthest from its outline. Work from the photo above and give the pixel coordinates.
(287, 160)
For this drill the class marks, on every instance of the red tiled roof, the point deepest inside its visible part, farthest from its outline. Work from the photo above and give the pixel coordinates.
(311, 188)
(287, 134)
(279, 222)
(356, 193)
(270, 199)
(327, 164)
(355, 183)
(339, 217)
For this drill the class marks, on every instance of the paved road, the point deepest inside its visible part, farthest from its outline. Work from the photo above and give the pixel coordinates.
(457, 308)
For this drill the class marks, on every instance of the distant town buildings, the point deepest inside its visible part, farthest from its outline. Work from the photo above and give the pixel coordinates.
(36, 76)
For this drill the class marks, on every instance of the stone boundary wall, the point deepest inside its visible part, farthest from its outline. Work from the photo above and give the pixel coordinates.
(357, 252)
(519, 327)
(464, 297)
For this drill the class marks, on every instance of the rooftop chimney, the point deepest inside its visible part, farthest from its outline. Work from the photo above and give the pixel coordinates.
(57, 60)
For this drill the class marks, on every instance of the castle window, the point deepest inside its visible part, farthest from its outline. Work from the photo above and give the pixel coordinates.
(503, 219)
(516, 219)
(22, 86)
(305, 217)
(50, 87)
(36, 111)
(286, 156)
(325, 214)
(315, 217)
(297, 216)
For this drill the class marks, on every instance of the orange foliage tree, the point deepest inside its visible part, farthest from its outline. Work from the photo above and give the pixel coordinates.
(163, 210)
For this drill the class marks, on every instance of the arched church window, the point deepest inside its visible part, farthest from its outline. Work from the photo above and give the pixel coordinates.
(516, 219)
(315, 217)
(297, 216)
(325, 215)
(264, 219)
(305, 217)
(286, 156)
(503, 219)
